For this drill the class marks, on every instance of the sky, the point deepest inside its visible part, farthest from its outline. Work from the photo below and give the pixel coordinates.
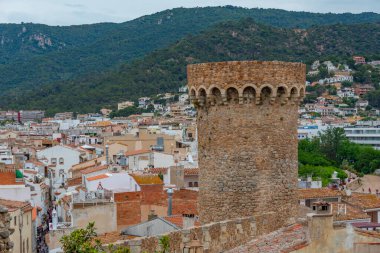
(71, 12)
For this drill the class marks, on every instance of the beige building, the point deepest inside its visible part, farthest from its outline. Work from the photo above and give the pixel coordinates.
(116, 149)
(21, 223)
(125, 104)
(145, 140)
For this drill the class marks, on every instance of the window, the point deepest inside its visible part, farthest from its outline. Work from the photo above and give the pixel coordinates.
(15, 221)
(54, 161)
(195, 184)
(61, 161)
(190, 184)
(324, 208)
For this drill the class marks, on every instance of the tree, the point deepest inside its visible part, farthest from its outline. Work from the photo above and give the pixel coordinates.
(80, 240)
(347, 84)
(374, 98)
(84, 240)
(331, 141)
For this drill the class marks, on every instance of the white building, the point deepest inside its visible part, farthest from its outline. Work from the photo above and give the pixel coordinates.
(364, 135)
(6, 155)
(60, 159)
(336, 79)
(346, 93)
(121, 181)
(141, 159)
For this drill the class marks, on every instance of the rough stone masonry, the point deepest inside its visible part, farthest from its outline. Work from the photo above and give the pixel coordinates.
(247, 135)
(5, 231)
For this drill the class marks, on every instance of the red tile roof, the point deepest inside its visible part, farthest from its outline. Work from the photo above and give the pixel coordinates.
(98, 177)
(30, 172)
(93, 169)
(318, 193)
(14, 205)
(74, 181)
(137, 152)
(158, 170)
(352, 213)
(363, 200)
(191, 172)
(178, 220)
(147, 179)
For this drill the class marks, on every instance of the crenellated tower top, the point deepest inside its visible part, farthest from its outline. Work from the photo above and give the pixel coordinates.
(246, 82)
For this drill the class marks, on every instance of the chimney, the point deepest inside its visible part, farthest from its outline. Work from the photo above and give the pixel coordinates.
(152, 215)
(188, 220)
(170, 195)
(107, 155)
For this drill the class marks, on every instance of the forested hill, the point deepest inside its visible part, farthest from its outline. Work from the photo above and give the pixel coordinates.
(32, 55)
(165, 70)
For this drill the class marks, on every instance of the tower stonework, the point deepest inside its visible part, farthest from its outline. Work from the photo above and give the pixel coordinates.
(247, 138)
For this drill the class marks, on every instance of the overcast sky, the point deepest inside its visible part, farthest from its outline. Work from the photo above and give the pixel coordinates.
(68, 12)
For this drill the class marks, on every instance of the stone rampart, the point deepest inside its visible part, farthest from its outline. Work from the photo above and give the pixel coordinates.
(211, 238)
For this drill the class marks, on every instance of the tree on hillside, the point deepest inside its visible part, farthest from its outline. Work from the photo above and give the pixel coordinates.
(331, 142)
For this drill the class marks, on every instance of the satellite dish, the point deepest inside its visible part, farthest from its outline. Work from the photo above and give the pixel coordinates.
(348, 193)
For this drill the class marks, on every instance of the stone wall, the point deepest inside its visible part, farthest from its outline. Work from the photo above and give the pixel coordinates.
(247, 136)
(5, 231)
(210, 238)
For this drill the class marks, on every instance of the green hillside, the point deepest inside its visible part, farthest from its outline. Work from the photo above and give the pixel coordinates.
(165, 70)
(32, 55)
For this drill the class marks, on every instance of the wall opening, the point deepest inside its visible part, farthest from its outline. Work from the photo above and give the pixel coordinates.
(265, 95)
(232, 95)
(249, 94)
(216, 96)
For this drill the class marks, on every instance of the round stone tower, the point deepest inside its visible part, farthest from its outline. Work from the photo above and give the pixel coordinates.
(247, 137)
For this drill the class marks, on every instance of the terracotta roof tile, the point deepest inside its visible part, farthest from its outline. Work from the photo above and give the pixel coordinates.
(178, 220)
(98, 177)
(14, 205)
(147, 179)
(30, 172)
(363, 200)
(351, 212)
(318, 193)
(93, 169)
(158, 170)
(191, 172)
(137, 152)
(74, 181)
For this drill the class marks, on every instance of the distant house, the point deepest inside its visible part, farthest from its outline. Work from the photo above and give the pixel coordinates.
(362, 89)
(369, 203)
(143, 102)
(361, 104)
(125, 104)
(60, 159)
(346, 93)
(359, 59)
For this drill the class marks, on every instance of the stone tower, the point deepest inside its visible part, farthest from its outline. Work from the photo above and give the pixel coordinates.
(247, 137)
